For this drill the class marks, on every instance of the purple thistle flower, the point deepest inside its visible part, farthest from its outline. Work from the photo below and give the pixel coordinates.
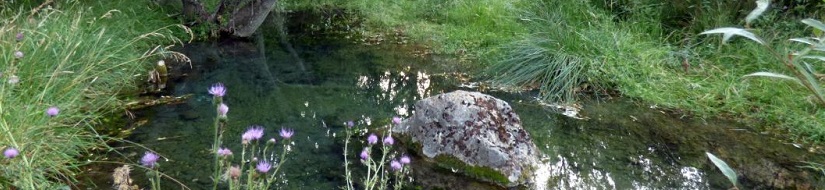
(11, 152)
(253, 133)
(372, 139)
(396, 120)
(18, 54)
(217, 90)
(286, 133)
(235, 172)
(350, 124)
(52, 111)
(405, 159)
(263, 166)
(224, 152)
(149, 159)
(19, 36)
(395, 165)
(222, 110)
(365, 155)
(388, 140)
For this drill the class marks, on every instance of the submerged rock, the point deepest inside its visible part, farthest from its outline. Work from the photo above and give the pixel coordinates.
(474, 134)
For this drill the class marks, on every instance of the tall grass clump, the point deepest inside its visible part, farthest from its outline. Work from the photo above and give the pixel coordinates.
(571, 44)
(704, 78)
(531, 62)
(63, 70)
(776, 51)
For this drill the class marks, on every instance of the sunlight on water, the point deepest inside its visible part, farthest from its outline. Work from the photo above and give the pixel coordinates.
(563, 174)
(423, 85)
(388, 87)
(692, 178)
(363, 81)
(402, 110)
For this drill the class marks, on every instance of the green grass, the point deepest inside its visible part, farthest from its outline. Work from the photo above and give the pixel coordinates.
(79, 57)
(472, 27)
(573, 43)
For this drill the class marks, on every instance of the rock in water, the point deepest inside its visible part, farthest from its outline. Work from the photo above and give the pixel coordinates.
(480, 131)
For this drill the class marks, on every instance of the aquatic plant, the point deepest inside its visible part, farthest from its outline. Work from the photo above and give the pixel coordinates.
(381, 170)
(793, 61)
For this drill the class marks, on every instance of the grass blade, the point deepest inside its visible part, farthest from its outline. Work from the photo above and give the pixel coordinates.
(814, 23)
(803, 40)
(816, 57)
(808, 72)
(772, 75)
(728, 32)
(729, 173)
(761, 6)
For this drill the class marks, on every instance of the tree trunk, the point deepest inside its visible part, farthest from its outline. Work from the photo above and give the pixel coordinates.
(193, 12)
(246, 19)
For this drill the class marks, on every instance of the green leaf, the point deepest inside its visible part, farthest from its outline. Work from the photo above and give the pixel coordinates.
(724, 168)
(772, 75)
(817, 57)
(761, 6)
(728, 32)
(803, 40)
(808, 72)
(814, 23)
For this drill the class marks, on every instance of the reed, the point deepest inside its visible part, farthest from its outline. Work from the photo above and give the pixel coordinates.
(65, 68)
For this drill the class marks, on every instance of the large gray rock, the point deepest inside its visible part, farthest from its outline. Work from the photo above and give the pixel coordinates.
(480, 131)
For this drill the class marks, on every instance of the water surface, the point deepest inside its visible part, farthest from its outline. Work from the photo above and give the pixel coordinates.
(622, 144)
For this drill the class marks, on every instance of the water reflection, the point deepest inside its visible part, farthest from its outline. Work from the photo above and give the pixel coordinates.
(423, 85)
(692, 178)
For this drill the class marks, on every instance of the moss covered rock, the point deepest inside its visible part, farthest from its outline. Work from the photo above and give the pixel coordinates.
(475, 133)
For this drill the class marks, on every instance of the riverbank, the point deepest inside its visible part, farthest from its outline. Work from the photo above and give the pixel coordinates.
(643, 50)
(67, 65)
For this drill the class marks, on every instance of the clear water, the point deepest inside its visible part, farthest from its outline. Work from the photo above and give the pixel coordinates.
(621, 146)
